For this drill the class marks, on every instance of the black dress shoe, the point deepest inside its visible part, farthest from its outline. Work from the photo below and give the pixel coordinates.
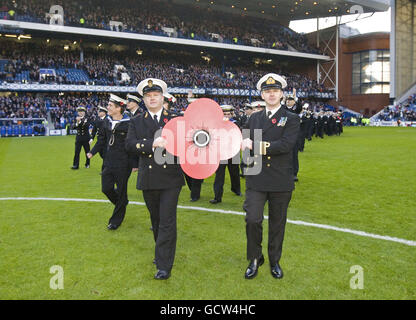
(295, 179)
(214, 201)
(194, 199)
(276, 271)
(112, 226)
(74, 168)
(238, 194)
(162, 275)
(253, 268)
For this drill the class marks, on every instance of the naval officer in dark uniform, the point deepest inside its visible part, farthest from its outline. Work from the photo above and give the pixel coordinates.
(274, 183)
(82, 139)
(161, 183)
(117, 161)
(98, 130)
(134, 109)
(294, 106)
(133, 105)
(319, 125)
(168, 102)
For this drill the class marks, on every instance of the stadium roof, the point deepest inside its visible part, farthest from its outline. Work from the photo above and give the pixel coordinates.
(292, 9)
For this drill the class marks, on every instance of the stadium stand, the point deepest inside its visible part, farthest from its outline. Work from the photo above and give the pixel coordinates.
(21, 62)
(405, 111)
(40, 61)
(22, 116)
(62, 108)
(163, 19)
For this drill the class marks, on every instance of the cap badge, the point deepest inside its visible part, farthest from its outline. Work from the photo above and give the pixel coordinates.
(270, 81)
(150, 83)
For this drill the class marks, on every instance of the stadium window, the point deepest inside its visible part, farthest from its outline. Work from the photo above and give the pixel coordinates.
(371, 72)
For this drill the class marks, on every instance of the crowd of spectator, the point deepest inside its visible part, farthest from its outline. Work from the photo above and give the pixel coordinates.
(62, 107)
(163, 18)
(22, 106)
(405, 111)
(178, 69)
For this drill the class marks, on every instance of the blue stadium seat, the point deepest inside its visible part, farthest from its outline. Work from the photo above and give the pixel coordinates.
(15, 130)
(9, 131)
(73, 75)
(3, 131)
(29, 130)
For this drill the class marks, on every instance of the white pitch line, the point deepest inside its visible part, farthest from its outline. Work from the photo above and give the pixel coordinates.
(296, 222)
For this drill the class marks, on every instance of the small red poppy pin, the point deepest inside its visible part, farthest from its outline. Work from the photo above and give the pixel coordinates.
(165, 120)
(274, 121)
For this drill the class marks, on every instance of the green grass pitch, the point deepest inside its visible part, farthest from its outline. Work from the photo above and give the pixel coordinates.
(363, 180)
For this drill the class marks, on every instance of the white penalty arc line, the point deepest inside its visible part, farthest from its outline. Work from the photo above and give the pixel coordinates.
(296, 222)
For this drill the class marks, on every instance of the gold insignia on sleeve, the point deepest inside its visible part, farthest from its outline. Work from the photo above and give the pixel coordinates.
(270, 81)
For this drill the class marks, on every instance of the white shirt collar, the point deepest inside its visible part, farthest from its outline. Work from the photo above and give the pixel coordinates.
(159, 114)
(273, 111)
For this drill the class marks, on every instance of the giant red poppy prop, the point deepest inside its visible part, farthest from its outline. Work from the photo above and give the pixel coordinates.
(202, 138)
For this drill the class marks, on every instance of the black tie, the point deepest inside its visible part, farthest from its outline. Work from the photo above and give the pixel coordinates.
(155, 118)
(269, 113)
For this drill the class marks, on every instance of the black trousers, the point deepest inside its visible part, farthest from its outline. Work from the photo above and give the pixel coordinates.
(78, 145)
(114, 186)
(320, 131)
(254, 208)
(295, 159)
(162, 205)
(234, 171)
(309, 132)
(194, 186)
(302, 137)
